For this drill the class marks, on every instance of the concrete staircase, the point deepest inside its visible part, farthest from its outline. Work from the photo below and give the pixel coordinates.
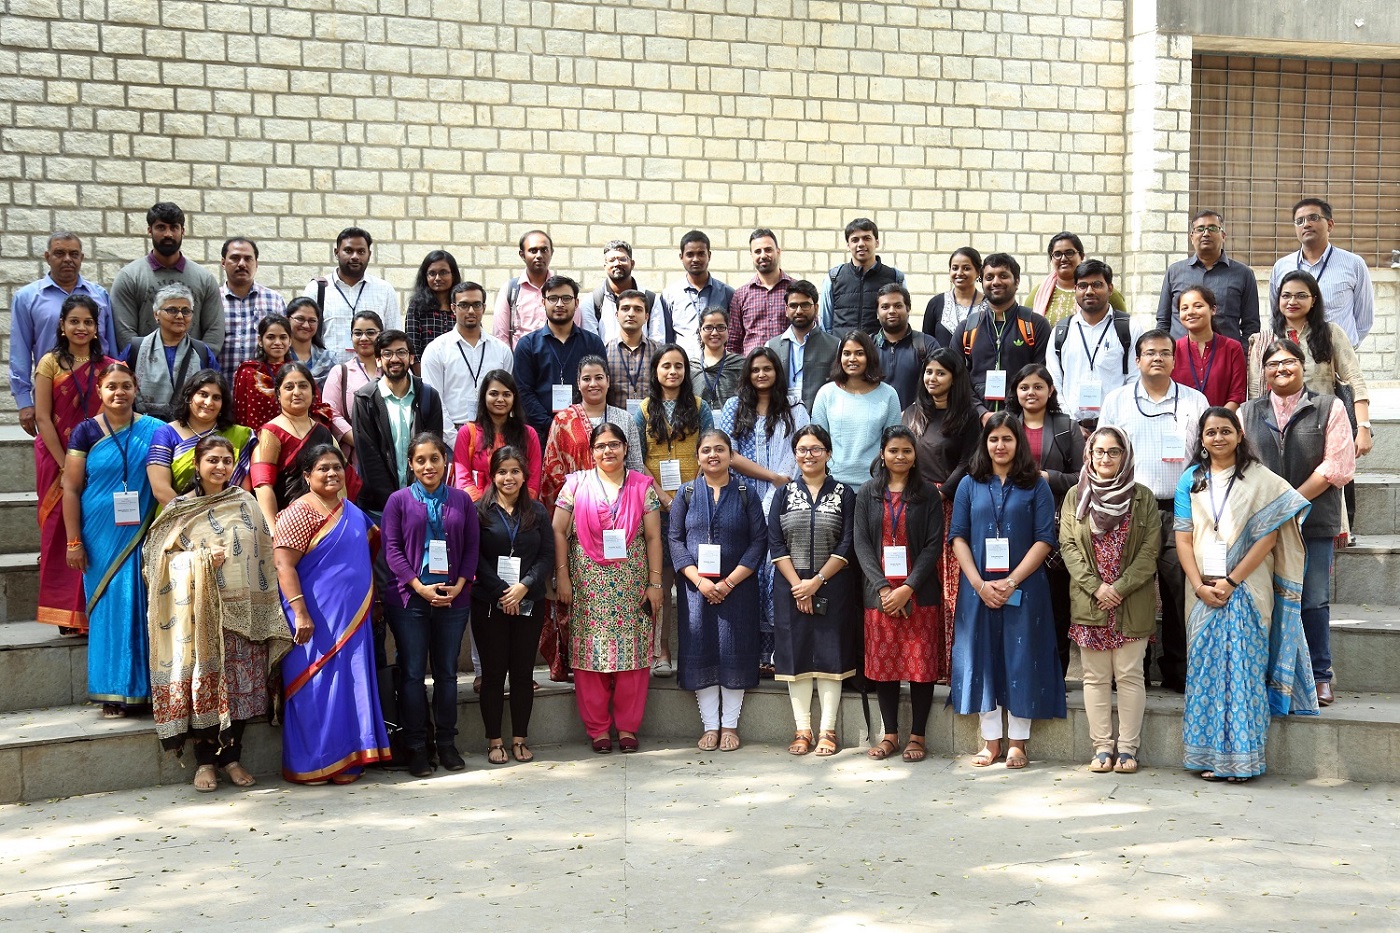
(54, 744)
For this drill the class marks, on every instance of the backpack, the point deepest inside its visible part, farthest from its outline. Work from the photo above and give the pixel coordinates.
(688, 490)
(600, 293)
(512, 299)
(1120, 324)
(974, 318)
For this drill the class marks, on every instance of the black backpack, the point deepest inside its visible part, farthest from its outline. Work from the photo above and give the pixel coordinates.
(1120, 324)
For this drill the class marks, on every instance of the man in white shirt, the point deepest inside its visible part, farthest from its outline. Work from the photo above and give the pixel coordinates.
(681, 306)
(1347, 293)
(1089, 350)
(599, 308)
(349, 289)
(1161, 418)
(454, 363)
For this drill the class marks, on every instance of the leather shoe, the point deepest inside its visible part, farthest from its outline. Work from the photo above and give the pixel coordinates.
(1325, 696)
(419, 765)
(450, 758)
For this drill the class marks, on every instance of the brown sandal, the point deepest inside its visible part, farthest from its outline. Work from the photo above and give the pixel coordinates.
(915, 749)
(709, 740)
(828, 745)
(521, 752)
(238, 775)
(206, 779)
(729, 740)
(496, 754)
(801, 743)
(883, 749)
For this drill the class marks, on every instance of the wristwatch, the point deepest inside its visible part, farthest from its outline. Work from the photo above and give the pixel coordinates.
(822, 577)
(1364, 424)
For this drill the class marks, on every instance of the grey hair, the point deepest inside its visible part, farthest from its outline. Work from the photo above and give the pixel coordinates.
(64, 235)
(173, 290)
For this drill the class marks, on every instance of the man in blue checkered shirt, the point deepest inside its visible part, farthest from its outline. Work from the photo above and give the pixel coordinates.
(245, 304)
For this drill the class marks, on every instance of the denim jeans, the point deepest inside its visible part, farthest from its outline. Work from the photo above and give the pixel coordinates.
(1317, 606)
(423, 633)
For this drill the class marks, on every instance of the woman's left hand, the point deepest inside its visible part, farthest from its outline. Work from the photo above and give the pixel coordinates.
(1364, 442)
(807, 588)
(652, 598)
(510, 600)
(893, 601)
(1215, 595)
(218, 555)
(711, 591)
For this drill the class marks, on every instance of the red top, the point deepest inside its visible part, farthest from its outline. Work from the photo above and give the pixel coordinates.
(1218, 374)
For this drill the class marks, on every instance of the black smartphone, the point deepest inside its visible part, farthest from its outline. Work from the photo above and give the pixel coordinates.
(527, 607)
(819, 605)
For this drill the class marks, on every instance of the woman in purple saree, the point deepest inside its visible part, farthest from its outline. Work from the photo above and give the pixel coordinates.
(332, 723)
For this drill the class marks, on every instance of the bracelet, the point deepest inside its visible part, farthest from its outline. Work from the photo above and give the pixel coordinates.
(653, 586)
(1198, 587)
(295, 598)
(822, 577)
(75, 543)
(1233, 584)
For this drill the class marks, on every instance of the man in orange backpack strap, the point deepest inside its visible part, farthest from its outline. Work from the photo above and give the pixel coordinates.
(1000, 336)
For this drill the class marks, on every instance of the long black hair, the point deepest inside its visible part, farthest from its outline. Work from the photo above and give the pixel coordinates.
(1319, 334)
(515, 427)
(423, 299)
(686, 420)
(224, 420)
(60, 347)
(1024, 472)
(267, 323)
(1013, 399)
(318, 339)
(1244, 454)
(960, 410)
(779, 408)
(524, 512)
(914, 487)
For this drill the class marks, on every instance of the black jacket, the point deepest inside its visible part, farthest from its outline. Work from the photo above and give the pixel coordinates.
(1062, 454)
(534, 546)
(375, 457)
(924, 523)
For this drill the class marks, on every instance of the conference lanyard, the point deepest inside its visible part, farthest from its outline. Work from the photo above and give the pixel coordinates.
(1326, 258)
(895, 515)
(122, 447)
(1079, 326)
(353, 307)
(512, 529)
(1210, 362)
(1176, 397)
(480, 361)
(1210, 485)
(999, 513)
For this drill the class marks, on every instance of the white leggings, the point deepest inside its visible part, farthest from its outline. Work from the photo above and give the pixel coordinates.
(829, 695)
(1017, 729)
(710, 699)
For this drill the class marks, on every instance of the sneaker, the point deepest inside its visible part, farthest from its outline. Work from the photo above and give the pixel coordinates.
(450, 758)
(662, 668)
(419, 765)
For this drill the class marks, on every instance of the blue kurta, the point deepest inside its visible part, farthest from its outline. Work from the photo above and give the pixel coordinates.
(718, 644)
(1005, 657)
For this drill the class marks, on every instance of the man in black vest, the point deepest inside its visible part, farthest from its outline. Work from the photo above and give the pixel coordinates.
(999, 336)
(1305, 437)
(848, 300)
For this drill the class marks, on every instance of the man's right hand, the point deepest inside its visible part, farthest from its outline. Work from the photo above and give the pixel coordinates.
(26, 421)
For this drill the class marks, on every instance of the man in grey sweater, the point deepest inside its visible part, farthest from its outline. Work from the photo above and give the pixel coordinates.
(134, 288)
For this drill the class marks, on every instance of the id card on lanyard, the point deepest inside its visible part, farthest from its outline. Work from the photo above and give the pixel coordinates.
(998, 549)
(126, 506)
(896, 556)
(508, 568)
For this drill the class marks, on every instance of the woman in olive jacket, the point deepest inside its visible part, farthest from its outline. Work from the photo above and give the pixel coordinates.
(1110, 535)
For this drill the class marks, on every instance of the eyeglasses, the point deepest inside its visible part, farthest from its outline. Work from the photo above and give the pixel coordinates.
(179, 312)
(304, 321)
(1157, 354)
(1295, 296)
(402, 353)
(1307, 219)
(1110, 453)
(607, 446)
(810, 451)
(714, 328)
(357, 334)
(1274, 366)
(1207, 228)
(469, 305)
(801, 305)
(559, 299)
(1064, 254)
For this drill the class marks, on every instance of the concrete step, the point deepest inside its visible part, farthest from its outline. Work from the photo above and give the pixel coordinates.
(19, 524)
(19, 586)
(16, 460)
(1366, 647)
(1377, 503)
(39, 667)
(1368, 572)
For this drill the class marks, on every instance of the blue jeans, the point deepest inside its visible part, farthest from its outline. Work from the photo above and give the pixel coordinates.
(1317, 606)
(423, 633)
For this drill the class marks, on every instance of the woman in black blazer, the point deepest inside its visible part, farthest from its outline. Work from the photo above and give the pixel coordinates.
(1057, 443)
(517, 545)
(898, 540)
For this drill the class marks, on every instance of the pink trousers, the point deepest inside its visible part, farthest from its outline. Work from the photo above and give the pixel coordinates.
(605, 699)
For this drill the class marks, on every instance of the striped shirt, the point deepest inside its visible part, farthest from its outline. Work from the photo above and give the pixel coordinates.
(241, 317)
(1148, 424)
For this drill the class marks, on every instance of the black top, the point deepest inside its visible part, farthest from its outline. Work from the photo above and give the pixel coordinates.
(942, 460)
(534, 546)
(923, 526)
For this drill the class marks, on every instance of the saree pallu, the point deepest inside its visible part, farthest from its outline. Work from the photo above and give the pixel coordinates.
(182, 472)
(61, 599)
(118, 654)
(193, 606)
(332, 720)
(1248, 659)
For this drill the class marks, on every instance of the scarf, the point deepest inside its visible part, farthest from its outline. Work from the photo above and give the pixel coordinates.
(1105, 501)
(954, 313)
(155, 383)
(592, 513)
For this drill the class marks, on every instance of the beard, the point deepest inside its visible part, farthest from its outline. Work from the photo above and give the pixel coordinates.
(167, 248)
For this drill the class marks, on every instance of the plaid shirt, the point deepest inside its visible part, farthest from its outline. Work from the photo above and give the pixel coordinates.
(241, 317)
(423, 324)
(629, 371)
(757, 314)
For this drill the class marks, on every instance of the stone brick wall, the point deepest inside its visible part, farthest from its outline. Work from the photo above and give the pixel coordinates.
(461, 124)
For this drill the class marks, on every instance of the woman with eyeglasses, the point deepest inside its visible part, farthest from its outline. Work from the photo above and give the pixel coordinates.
(811, 534)
(607, 553)
(308, 346)
(163, 359)
(430, 306)
(345, 378)
(1237, 533)
(1054, 298)
(1110, 536)
(715, 374)
(1208, 362)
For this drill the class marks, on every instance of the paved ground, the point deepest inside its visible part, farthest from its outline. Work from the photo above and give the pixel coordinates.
(749, 841)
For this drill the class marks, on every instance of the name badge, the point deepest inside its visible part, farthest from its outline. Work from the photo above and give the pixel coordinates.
(795, 392)
(1091, 396)
(471, 409)
(995, 390)
(508, 569)
(1213, 557)
(614, 544)
(634, 406)
(896, 561)
(998, 554)
(562, 395)
(1173, 449)
(127, 506)
(670, 475)
(709, 560)
(437, 557)
(714, 415)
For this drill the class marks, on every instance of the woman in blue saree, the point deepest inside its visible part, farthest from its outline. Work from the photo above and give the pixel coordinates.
(332, 725)
(107, 506)
(1238, 536)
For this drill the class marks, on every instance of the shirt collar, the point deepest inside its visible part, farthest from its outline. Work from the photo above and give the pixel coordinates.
(1285, 405)
(783, 279)
(156, 266)
(389, 395)
(252, 292)
(1224, 260)
(791, 335)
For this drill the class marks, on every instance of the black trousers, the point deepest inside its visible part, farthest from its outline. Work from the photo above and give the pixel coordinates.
(507, 645)
(1171, 582)
(920, 698)
(1057, 574)
(209, 753)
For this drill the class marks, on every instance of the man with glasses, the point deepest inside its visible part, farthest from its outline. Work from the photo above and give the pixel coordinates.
(454, 363)
(1160, 418)
(1235, 285)
(162, 360)
(1305, 437)
(806, 350)
(134, 289)
(1347, 294)
(246, 302)
(599, 310)
(389, 413)
(546, 360)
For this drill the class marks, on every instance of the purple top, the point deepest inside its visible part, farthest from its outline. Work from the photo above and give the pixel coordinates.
(404, 530)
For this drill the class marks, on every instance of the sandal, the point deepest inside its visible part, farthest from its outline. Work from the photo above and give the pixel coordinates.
(522, 752)
(729, 740)
(206, 779)
(986, 757)
(883, 749)
(801, 743)
(828, 745)
(346, 777)
(1127, 763)
(113, 711)
(1102, 763)
(602, 744)
(709, 741)
(496, 753)
(915, 749)
(238, 775)
(1212, 777)
(1016, 758)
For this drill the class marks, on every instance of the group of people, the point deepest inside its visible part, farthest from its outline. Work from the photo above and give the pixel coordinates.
(833, 495)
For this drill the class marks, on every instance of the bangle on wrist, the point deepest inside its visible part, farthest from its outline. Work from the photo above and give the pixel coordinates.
(293, 599)
(76, 542)
(1233, 584)
(653, 586)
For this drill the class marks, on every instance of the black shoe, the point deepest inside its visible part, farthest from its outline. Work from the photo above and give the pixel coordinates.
(450, 758)
(419, 765)
(1174, 686)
